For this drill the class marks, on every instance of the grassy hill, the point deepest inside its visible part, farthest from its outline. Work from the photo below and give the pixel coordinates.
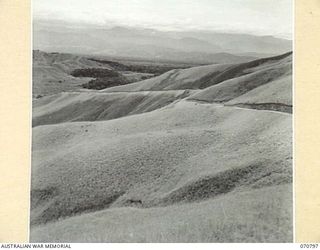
(205, 76)
(204, 153)
(54, 72)
(263, 84)
(261, 215)
(93, 106)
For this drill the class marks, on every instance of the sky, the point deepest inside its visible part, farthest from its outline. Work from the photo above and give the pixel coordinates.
(261, 17)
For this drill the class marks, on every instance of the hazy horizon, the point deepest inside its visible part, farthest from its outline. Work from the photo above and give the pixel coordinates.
(235, 16)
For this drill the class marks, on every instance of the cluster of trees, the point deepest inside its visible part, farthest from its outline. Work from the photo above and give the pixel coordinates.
(106, 78)
(146, 68)
(105, 82)
(95, 73)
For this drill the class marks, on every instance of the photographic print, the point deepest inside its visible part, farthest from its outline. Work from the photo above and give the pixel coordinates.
(162, 121)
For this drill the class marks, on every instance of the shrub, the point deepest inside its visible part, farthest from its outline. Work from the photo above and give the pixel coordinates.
(105, 82)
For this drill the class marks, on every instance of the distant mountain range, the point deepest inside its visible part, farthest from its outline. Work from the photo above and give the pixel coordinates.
(187, 46)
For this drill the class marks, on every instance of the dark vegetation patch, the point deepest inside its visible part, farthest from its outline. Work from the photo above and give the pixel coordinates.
(152, 69)
(104, 78)
(95, 73)
(105, 82)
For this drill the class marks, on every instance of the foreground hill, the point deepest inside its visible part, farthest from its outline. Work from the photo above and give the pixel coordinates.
(186, 153)
(260, 215)
(204, 153)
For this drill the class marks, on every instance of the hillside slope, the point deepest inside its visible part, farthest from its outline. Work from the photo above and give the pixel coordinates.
(260, 215)
(263, 84)
(267, 84)
(205, 76)
(93, 106)
(186, 153)
(204, 153)
(54, 72)
(51, 72)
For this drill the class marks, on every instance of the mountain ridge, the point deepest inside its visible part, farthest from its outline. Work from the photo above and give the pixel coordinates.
(148, 43)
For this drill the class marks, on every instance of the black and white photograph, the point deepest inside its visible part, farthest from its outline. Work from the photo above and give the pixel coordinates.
(162, 121)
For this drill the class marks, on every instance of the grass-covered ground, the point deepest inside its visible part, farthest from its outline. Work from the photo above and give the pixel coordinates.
(149, 162)
(261, 215)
